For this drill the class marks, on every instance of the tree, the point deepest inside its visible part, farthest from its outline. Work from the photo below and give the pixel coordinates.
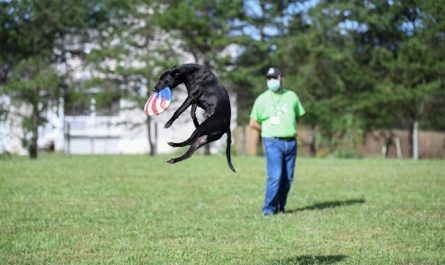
(366, 65)
(406, 41)
(318, 61)
(36, 84)
(259, 30)
(129, 58)
(32, 34)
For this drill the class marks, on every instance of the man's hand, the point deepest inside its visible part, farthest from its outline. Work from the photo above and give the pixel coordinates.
(254, 124)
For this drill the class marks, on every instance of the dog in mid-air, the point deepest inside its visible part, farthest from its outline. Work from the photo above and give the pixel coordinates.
(207, 92)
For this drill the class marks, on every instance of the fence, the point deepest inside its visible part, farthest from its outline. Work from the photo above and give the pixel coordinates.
(376, 143)
(91, 135)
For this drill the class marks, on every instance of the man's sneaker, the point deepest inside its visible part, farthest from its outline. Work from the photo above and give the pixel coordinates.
(268, 213)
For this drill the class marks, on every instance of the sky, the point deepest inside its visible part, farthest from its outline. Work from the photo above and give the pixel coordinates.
(252, 8)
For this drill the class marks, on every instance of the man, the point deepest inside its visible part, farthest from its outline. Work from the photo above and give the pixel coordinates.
(275, 114)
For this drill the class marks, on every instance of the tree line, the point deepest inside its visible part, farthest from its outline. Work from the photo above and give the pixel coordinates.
(356, 65)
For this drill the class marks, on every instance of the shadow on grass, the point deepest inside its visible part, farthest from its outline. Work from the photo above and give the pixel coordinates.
(309, 260)
(331, 204)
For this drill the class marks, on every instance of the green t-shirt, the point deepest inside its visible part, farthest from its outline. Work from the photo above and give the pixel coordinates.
(277, 113)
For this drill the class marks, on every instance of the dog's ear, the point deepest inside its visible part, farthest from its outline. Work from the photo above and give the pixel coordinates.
(175, 72)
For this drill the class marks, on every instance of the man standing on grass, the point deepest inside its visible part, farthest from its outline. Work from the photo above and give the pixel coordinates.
(275, 114)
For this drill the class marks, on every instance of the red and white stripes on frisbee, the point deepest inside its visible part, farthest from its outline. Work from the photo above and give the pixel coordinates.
(158, 102)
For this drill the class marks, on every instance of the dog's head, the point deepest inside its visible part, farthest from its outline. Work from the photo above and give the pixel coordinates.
(169, 78)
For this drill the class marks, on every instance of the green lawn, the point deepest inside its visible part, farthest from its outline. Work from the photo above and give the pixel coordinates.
(139, 210)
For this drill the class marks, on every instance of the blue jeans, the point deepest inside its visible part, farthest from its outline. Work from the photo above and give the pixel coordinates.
(281, 156)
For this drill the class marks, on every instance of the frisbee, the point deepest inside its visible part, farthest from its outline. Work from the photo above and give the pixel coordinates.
(158, 102)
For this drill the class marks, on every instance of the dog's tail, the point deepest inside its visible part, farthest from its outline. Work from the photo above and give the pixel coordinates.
(229, 142)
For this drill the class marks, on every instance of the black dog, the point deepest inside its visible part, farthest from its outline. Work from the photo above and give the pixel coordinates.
(204, 91)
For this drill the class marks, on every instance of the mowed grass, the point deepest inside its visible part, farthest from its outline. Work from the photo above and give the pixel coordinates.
(139, 210)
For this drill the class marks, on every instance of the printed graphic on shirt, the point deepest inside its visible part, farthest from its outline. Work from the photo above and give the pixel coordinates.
(277, 112)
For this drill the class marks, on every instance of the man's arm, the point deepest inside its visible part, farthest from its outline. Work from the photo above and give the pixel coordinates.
(254, 124)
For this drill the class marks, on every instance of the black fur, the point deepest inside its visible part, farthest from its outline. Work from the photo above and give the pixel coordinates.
(204, 91)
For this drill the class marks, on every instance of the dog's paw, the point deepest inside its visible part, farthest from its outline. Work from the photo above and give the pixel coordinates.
(168, 124)
(170, 161)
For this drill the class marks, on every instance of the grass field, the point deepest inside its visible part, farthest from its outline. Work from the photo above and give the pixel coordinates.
(138, 210)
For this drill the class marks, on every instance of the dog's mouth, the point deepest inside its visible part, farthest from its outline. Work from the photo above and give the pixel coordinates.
(161, 88)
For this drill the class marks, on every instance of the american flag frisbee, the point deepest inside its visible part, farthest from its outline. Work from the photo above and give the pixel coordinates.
(158, 102)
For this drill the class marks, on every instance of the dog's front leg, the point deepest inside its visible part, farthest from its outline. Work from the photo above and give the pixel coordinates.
(189, 100)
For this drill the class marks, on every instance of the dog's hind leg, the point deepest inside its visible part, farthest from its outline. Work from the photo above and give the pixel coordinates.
(209, 126)
(200, 141)
(195, 135)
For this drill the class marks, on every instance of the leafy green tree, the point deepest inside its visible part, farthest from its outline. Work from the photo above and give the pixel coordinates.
(317, 60)
(405, 39)
(258, 32)
(129, 58)
(33, 38)
(259, 29)
(36, 84)
(366, 65)
(202, 28)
